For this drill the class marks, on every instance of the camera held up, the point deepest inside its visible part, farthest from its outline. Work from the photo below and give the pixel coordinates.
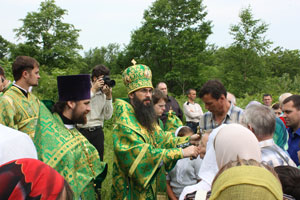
(109, 82)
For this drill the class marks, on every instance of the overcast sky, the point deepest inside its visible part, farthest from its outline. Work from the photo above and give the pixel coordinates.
(111, 21)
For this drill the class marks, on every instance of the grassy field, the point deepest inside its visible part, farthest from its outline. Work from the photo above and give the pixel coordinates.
(108, 158)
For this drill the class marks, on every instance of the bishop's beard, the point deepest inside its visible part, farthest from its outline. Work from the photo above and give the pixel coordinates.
(145, 114)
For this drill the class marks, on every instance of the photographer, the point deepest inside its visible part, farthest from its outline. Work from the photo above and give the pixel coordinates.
(101, 108)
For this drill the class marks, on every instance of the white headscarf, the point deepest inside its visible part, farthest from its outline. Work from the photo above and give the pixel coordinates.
(236, 140)
(15, 145)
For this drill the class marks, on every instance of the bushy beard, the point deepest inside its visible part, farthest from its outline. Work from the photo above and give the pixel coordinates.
(145, 114)
(77, 117)
(81, 119)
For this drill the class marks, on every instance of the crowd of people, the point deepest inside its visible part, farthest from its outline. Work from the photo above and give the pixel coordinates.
(55, 150)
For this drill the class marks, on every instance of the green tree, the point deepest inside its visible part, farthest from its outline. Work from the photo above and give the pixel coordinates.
(48, 39)
(104, 55)
(7, 65)
(249, 32)
(4, 47)
(243, 66)
(171, 41)
(282, 61)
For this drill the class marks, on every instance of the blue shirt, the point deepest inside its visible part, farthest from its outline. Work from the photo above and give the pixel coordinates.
(294, 142)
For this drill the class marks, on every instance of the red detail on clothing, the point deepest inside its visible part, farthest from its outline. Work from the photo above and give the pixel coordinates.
(30, 178)
(282, 119)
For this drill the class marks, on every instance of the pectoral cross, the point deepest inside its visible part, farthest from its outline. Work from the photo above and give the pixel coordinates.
(133, 61)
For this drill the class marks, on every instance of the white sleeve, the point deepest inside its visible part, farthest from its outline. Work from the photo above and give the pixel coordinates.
(209, 167)
(202, 185)
(188, 113)
(108, 109)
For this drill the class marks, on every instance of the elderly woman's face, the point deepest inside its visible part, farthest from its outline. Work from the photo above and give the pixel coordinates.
(160, 107)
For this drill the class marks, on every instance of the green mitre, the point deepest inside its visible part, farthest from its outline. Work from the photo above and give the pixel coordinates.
(136, 77)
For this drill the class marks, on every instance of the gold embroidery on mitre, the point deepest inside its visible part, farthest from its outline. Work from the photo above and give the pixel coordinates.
(127, 79)
(147, 73)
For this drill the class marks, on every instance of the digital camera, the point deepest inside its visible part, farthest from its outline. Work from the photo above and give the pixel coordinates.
(107, 81)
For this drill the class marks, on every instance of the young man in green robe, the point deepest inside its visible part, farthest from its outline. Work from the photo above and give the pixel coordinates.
(19, 107)
(60, 145)
(141, 147)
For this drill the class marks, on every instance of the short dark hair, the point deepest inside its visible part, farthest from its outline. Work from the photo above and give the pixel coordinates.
(184, 130)
(21, 64)
(189, 90)
(2, 73)
(266, 95)
(157, 95)
(100, 70)
(213, 87)
(289, 177)
(295, 99)
(275, 106)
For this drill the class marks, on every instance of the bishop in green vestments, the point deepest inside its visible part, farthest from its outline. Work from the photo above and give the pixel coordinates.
(141, 147)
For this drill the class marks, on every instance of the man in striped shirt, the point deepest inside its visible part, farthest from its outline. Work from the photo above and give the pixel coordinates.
(220, 111)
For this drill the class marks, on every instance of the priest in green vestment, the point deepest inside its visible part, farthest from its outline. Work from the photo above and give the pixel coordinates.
(19, 107)
(60, 145)
(141, 147)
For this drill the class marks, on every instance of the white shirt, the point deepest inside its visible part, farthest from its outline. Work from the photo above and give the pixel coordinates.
(183, 174)
(270, 153)
(101, 109)
(192, 111)
(14, 145)
(209, 167)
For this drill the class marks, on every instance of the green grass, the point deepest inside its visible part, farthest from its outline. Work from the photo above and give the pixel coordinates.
(108, 158)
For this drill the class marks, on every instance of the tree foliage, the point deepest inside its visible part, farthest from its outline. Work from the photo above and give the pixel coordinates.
(47, 38)
(104, 55)
(171, 41)
(4, 47)
(243, 66)
(249, 32)
(281, 61)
